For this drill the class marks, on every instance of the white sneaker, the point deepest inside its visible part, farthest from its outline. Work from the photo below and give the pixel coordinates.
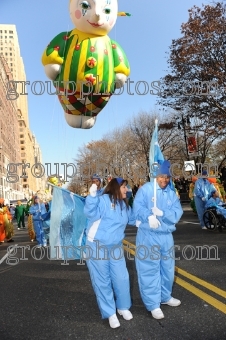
(127, 315)
(39, 246)
(113, 321)
(172, 302)
(204, 228)
(157, 313)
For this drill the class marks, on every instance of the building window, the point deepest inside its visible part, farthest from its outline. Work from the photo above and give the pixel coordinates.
(5, 31)
(10, 48)
(10, 37)
(11, 32)
(22, 142)
(21, 136)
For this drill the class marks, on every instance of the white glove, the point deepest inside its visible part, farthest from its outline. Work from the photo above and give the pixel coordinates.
(153, 222)
(120, 80)
(138, 223)
(157, 212)
(93, 190)
(52, 71)
(203, 199)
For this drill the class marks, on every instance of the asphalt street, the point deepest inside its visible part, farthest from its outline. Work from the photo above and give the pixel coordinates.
(47, 299)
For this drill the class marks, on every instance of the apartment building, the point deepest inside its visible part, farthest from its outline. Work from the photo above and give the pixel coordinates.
(10, 186)
(10, 50)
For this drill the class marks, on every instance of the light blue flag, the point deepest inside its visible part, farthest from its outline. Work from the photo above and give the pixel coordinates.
(156, 156)
(67, 225)
(155, 153)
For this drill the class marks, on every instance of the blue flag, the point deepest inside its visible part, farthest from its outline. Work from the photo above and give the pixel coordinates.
(155, 153)
(67, 224)
(156, 156)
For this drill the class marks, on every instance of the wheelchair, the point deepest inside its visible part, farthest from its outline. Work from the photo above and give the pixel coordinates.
(213, 220)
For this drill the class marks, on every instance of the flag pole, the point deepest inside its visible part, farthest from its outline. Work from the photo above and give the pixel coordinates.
(155, 183)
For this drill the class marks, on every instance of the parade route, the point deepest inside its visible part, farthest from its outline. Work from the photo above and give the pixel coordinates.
(46, 299)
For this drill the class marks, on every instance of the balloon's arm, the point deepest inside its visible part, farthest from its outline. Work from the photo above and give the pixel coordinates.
(121, 63)
(54, 52)
(124, 14)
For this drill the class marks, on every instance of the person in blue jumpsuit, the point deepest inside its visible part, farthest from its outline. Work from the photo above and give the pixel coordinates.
(202, 192)
(97, 180)
(155, 260)
(215, 201)
(38, 209)
(108, 216)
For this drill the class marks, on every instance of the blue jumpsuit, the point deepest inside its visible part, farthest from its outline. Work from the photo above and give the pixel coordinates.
(203, 188)
(105, 254)
(36, 211)
(155, 260)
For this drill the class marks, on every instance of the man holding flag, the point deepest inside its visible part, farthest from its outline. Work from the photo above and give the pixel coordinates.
(157, 210)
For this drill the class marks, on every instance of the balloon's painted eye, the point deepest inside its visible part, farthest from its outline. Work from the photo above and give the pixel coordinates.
(85, 5)
(107, 10)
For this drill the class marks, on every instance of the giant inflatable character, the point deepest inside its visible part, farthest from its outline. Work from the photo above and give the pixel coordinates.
(85, 64)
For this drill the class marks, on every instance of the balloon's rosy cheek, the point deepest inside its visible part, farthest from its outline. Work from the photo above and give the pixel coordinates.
(78, 14)
(111, 21)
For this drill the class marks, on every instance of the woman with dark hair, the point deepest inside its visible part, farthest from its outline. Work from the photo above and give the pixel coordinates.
(108, 216)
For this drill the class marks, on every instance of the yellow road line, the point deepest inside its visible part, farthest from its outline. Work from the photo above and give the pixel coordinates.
(201, 282)
(126, 244)
(209, 299)
(194, 290)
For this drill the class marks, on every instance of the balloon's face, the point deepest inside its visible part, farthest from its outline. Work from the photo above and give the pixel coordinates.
(94, 16)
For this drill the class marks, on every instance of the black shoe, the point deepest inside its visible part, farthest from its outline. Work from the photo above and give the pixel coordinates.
(11, 240)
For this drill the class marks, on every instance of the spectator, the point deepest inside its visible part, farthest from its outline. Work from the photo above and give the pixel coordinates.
(19, 215)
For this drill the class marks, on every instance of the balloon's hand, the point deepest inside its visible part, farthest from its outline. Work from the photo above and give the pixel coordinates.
(52, 71)
(120, 80)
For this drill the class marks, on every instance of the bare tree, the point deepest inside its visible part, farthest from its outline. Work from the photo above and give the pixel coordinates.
(197, 66)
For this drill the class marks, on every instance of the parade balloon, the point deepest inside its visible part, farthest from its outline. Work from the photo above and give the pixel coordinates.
(85, 65)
